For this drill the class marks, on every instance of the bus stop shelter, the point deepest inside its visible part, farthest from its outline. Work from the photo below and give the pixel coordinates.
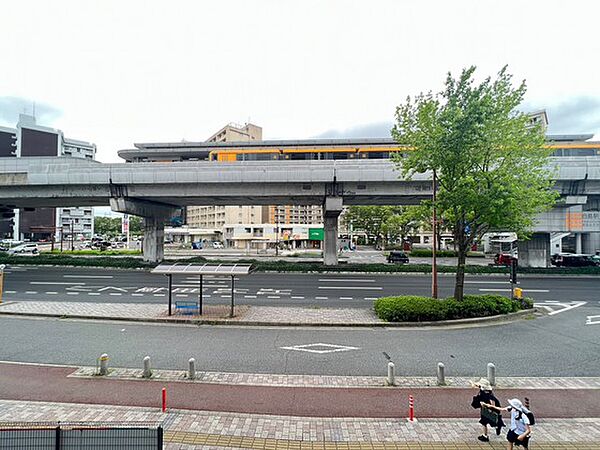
(200, 270)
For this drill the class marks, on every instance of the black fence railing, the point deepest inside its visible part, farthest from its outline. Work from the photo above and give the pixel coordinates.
(81, 435)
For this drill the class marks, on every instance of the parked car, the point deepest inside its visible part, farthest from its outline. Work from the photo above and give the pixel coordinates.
(503, 259)
(24, 250)
(573, 260)
(217, 245)
(397, 257)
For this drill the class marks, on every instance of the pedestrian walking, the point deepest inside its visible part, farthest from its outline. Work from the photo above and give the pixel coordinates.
(521, 420)
(488, 416)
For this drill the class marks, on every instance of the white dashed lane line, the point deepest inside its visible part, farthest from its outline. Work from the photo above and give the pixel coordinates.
(321, 298)
(297, 298)
(93, 293)
(72, 293)
(339, 280)
(508, 290)
(352, 287)
(88, 276)
(52, 293)
(31, 292)
(10, 292)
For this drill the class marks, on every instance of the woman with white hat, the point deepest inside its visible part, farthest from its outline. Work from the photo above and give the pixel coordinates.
(520, 428)
(485, 396)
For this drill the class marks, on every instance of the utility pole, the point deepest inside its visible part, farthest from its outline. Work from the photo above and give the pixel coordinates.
(434, 281)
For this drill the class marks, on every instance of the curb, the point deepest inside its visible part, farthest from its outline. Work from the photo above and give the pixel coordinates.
(505, 318)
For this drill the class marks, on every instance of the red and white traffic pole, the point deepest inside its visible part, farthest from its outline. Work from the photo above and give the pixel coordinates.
(411, 408)
(164, 399)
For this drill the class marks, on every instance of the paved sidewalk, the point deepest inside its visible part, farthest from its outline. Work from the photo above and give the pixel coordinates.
(261, 379)
(204, 429)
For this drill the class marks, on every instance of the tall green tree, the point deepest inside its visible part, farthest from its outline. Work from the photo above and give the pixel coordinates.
(491, 164)
(107, 226)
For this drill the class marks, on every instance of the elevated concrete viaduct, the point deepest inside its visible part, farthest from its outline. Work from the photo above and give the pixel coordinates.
(156, 190)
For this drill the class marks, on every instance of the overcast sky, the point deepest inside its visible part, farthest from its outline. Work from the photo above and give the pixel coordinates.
(119, 72)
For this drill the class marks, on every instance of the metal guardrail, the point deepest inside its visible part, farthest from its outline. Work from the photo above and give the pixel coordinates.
(81, 435)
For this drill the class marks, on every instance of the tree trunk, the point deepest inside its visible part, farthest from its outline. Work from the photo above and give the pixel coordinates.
(459, 287)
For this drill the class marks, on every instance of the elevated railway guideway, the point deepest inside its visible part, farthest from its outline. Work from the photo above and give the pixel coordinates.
(155, 190)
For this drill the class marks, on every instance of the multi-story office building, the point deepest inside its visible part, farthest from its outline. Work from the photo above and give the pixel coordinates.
(30, 139)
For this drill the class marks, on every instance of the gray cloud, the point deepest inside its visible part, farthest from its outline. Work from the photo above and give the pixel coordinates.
(370, 130)
(11, 107)
(576, 115)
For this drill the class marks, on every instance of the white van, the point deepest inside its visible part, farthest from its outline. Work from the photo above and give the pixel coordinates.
(217, 245)
(30, 249)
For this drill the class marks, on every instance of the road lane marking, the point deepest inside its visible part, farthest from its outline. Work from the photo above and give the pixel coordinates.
(576, 305)
(273, 296)
(321, 298)
(10, 292)
(115, 293)
(508, 290)
(593, 320)
(137, 295)
(344, 281)
(249, 296)
(370, 298)
(345, 298)
(51, 293)
(31, 292)
(181, 295)
(72, 293)
(65, 283)
(320, 348)
(88, 276)
(351, 287)
(297, 298)
(487, 282)
(157, 295)
(93, 293)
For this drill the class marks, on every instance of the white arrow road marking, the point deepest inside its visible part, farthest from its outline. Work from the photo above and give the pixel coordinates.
(593, 320)
(112, 287)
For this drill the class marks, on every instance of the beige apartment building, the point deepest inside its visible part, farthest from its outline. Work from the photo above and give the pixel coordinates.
(215, 217)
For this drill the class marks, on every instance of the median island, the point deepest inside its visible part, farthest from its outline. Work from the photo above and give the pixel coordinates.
(412, 308)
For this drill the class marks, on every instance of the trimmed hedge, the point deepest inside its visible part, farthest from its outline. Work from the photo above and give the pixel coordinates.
(94, 252)
(67, 260)
(410, 308)
(427, 253)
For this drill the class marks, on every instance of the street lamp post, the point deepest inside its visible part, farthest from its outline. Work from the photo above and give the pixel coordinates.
(434, 281)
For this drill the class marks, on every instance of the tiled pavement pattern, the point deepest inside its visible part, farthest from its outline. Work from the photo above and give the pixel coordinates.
(117, 310)
(211, 312)
(257, 379)
(199, 429)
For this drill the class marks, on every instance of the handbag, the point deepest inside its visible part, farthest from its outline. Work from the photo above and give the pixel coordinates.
(491, 416)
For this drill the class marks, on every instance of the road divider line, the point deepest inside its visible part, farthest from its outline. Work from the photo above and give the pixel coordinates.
(344, 281)
(370, 298)
(273, 296)
(93, 293)
(352, 287)
(31, 292)
(345, 298)
(321, 298)
(137, 295)
(72, 293)
(88, 276)
(508, 290)
(51, 293)
(249, 296)
(115, 293)
(10, 292)
(487, 282)
(62, 283)
(297, 297)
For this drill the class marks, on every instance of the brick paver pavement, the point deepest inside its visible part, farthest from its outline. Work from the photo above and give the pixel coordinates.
(203, 429)
(152, 311)
(262, 379)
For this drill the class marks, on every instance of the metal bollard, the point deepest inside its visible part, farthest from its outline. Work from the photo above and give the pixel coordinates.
(491, 374)
(104, 364)
(147, 370)
(391, 378)
(192, 368)
(441, 377)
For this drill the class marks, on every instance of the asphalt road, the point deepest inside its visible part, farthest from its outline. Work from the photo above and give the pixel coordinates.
(271, 289)
(557, 345)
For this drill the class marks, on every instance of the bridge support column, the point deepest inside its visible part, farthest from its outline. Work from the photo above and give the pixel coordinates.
(153, 246)
(154, 215)
(535, 252)
(591, 243)
(332, 209)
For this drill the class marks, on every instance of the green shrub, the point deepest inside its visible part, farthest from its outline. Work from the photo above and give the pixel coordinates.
(94, 252)
(411, 308)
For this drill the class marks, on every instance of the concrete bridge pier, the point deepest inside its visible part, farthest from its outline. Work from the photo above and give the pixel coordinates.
(591, 243)
(332, 208)
(154, 215)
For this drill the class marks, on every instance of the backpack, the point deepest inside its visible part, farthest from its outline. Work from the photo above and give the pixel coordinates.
(529, 415)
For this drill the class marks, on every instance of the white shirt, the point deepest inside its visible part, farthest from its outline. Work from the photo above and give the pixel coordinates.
(519, 426)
